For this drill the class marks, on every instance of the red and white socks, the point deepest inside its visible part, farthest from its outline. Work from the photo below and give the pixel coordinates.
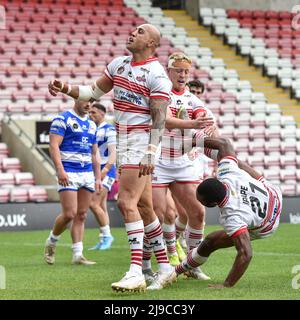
(193, 237)
(180, 227)
(147, 253)
(154, 235)
(193, 260)
(169, 234)
(135, 233)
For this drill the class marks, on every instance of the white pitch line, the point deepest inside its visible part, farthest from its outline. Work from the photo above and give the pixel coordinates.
(279, 254)
(64, 244)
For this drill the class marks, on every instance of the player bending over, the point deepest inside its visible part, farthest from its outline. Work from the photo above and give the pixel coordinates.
(250, 209)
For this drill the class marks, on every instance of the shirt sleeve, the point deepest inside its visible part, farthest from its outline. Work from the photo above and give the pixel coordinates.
(198, 108)
(159, 84)
(227, 165)
(58, 125)
(113, 67)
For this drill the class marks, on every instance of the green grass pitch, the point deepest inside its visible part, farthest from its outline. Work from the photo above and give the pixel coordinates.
(269, 275)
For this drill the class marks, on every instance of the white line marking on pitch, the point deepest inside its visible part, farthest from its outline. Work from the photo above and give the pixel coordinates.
(64, 244)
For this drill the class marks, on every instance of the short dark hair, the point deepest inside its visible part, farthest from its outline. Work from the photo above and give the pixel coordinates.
(212, 190)
(99, 106)
(196, 83)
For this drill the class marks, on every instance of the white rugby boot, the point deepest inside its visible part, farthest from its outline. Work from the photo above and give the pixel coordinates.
(163, 279)
(197, 273)
(49, 252)
(82, 260)
(131, 282)
(149, 275)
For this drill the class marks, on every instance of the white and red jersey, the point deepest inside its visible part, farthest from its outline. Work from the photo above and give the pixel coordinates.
(249, 204)
(193, 105)
(134, 84)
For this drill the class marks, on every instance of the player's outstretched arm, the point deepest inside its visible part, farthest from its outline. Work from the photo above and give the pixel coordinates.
(244, 254)
(86, 93)
(253, 173)
(224, 146)
(199, 123)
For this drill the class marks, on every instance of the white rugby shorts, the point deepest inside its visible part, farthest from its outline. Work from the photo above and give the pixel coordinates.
(78, 180)
(131, 149)
(164, 174)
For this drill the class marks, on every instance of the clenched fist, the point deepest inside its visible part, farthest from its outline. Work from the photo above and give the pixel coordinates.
(56, 86)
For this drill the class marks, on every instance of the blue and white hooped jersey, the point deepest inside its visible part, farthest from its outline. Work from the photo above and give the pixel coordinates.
(106, 135)
(79, 136)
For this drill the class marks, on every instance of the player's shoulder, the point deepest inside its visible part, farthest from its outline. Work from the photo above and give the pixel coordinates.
(196, 100)
(107, 126)
(227, 165)
(92, 124)
(120, 60)
(156, 68)
(62, 115)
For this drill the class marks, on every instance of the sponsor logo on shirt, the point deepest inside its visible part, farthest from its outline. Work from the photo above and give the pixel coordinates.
(145, 70)
(141, 78)
(120, 70)
(130, 97)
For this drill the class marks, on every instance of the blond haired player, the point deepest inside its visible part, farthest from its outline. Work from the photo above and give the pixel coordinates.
(249, 206)
(141, 96)
(174, 170)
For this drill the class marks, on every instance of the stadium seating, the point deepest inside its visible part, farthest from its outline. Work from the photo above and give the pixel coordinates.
(74, 42)
(17, 186)
(267, 37)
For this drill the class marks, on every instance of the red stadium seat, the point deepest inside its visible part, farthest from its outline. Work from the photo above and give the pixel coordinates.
(4, 195)
(24, 178)
(272, 146)
(7, 179)
(3, 149)
(11, 165)
(18, 195)
(272, 160)
(288, 175)
(37, 194)
(258, 14)
(288, 189)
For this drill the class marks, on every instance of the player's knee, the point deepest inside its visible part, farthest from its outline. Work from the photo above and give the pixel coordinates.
(69, 215)
(81, 215)
(93, 205)
(195, 216)
(159, 211)
(124, 205)
(170, 216)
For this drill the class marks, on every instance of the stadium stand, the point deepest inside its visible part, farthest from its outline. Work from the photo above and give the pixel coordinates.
(256, 126)
(17, 186)
(267, 37)
(75, 42)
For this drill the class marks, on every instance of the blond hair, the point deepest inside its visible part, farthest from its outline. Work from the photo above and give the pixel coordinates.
(178, 56)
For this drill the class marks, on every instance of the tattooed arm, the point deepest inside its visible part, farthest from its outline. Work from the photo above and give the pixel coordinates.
(158, 109)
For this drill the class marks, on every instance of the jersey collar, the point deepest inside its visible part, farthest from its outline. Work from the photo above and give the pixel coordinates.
(76, 115)
(178, 93)
(140, 63)
(102, 124)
